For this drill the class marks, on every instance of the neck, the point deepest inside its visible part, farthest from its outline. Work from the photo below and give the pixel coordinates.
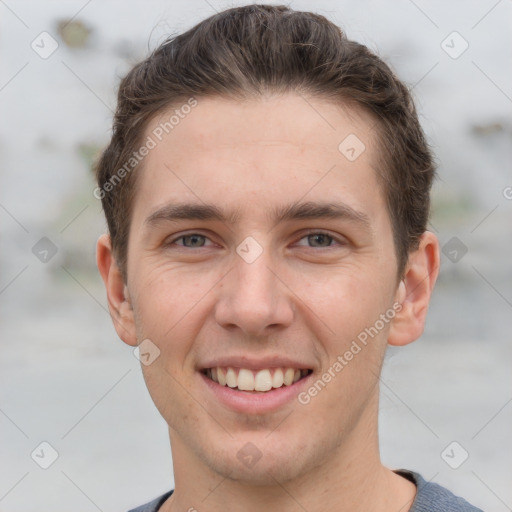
(351, 479)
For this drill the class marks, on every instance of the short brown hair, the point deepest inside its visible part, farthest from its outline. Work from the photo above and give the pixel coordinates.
(245, 52)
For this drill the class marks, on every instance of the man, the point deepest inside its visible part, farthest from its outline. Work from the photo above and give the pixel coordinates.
(266, 190)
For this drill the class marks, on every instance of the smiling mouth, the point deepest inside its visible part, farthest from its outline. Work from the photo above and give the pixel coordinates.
(263, 381)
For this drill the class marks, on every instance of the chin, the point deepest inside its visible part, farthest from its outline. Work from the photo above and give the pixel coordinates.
(263, 473)
(262, 461)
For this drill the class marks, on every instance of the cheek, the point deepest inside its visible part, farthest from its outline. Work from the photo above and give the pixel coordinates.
(168, 296)
(347, 298)
(168, 389)
(168, 309)
(350, 303)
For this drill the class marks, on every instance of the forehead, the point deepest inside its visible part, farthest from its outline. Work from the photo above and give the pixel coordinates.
(260, 152)
(286, 119)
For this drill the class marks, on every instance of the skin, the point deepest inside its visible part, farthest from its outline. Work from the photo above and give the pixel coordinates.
(304, 297)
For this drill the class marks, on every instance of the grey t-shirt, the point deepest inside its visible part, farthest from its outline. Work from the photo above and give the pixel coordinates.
(430, 497)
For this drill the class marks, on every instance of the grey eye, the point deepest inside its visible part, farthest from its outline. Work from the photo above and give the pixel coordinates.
(320, 240)
(195, 240)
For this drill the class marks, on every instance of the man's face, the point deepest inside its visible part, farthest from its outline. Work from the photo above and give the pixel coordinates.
(262, 294)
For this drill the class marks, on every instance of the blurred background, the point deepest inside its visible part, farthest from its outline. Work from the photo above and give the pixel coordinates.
(68, 381)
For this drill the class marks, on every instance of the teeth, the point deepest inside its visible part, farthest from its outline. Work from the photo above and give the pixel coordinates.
(221, 377)
(245, 380)
(288, 376)
(278, 378)
(249, 380)
(262, 381)
(231, 379)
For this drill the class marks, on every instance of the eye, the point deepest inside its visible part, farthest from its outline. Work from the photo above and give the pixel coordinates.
(320, 239)
(315, 239)
(191, 240)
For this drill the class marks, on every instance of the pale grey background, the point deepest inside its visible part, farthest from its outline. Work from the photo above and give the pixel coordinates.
(66, 379)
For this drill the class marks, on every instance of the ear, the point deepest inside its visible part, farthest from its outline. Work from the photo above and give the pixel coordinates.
(414, 291)
(119, 303)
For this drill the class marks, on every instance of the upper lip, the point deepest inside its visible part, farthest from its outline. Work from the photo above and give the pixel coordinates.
(252, 363)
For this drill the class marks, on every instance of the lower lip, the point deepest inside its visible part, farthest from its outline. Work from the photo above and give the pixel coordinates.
(247, 402)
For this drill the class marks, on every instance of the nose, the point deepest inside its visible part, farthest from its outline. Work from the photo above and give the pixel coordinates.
(254, 298)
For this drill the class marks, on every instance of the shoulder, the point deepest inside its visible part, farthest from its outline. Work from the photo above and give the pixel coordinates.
(431, 497)
(154, 505)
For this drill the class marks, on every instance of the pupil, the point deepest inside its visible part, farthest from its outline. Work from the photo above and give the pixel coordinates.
(320, 236)
(194, 239)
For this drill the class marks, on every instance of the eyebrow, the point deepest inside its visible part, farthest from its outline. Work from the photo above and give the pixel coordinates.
(295, 211)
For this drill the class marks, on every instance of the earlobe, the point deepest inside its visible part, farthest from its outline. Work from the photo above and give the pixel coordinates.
(415, 290)
(118, 297)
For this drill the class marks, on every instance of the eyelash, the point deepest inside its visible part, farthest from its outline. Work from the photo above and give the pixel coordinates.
(311, 233)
